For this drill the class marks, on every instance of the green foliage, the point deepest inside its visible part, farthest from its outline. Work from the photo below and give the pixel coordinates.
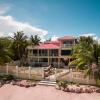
(6, 77)
(88, 71)
(87, 52)
(62, 84)
(35, 40)
(5, 51)
(14, 48)
(19, 45)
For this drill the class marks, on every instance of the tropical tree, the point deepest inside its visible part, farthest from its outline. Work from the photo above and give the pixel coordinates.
(35, 40)
(5, 52)
(82, 52)
(86, 54)
(19, 45)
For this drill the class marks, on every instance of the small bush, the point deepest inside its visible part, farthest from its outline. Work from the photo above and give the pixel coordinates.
(62, 84)
(6, 77)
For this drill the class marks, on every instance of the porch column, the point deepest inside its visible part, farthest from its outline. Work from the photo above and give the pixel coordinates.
(59, 52)
(68, 63)
(69, 60)
(59, 56)
(48, 57)
(58, 62)
(74, 42)
(38, 54)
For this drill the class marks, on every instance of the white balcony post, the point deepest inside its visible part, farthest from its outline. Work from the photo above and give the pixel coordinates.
(48, 57)
(74, 42)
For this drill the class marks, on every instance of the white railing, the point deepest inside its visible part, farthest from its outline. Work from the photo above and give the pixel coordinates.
(67, 45)
(22, 72)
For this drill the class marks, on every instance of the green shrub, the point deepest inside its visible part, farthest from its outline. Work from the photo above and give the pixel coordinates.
(6, 77)
(0, 77)
(62, 84)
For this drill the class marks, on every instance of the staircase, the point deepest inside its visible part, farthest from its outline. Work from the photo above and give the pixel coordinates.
(47, 83)
(51, 80)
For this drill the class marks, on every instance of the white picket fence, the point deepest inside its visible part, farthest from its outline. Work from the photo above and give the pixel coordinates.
(23, 72)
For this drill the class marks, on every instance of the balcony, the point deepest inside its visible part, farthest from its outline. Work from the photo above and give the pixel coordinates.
(53, 52)
(41, 53)
(67, 45)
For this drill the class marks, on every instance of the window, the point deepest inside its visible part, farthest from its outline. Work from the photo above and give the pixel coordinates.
(65, 52)
(35, 52)
(53, 52)
(67, 42)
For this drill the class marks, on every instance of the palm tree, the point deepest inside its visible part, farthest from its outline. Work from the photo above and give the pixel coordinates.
(96, 64)
(86, 54)
(82, 52)
(35, 40)
(19, 45)
(5, 53)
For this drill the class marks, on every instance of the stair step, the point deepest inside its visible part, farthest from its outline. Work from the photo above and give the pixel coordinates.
(47, 83)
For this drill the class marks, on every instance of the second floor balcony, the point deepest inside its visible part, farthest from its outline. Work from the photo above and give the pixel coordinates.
(52, 52)
(67, 45)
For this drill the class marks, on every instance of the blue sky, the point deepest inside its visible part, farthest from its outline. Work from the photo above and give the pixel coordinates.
(58, 17)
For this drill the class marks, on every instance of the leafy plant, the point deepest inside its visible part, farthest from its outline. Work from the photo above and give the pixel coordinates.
(86, 54)
(6, 77)
(62, 84)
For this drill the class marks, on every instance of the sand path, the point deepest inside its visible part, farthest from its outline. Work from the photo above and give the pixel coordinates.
(9, 92)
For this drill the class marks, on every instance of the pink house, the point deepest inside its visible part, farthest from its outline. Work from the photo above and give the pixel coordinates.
(52, 52)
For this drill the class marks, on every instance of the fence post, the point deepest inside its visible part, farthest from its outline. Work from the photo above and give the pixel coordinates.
(43, 73)
(87, 79)
(29, 72)
(55, 74)
(7, 68)
(71, 75)
(17, 71)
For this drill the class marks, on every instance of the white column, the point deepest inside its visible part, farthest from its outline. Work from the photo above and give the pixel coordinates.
(38, 54)
(68, 64)
(74, 42)
(58, 62)
(48, 56)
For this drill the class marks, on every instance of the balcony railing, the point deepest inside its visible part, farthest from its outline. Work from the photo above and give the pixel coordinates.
(51, 54)
(40, 54)
(43, 54)
(67, 45)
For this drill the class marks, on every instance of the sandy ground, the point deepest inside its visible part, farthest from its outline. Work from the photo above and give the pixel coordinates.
(9, 92)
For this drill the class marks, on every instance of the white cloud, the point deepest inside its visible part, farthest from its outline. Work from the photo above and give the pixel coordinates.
(88, 34)
(92, 35)
(8, 25)
(54, 38)
(4, 9)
